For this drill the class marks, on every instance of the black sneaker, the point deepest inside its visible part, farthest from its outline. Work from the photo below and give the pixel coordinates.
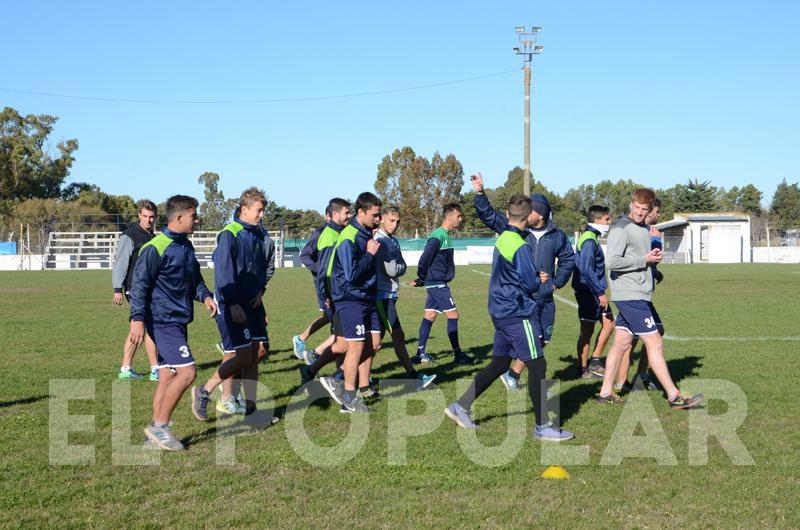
(596, 368)
(685, 402)
(200, 403)
(611, 399)
(463, 358)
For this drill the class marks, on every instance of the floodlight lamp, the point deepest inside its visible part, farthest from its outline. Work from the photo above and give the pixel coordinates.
(536, 29)
(538, 49)
(516, 50)
(519, 29)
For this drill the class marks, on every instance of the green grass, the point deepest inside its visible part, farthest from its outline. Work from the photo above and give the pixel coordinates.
(62, 325)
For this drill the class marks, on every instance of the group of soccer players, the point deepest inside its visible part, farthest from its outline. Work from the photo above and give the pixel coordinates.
(356, 264)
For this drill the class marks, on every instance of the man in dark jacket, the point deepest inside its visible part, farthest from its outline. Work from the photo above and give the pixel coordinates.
(552, 252)
(128, 247)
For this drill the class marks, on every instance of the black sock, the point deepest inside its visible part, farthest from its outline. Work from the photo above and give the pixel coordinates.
(349, 395)
(497, 367)
(363, 388)
(514, 374)
(536, 374)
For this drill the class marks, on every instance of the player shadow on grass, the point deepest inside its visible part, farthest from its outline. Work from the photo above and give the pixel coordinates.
(259, 422)
(22, 401)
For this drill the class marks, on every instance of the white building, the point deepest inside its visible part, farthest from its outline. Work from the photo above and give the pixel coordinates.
(707, 238)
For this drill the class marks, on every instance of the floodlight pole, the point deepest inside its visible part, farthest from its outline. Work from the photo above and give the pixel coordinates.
(527, 48)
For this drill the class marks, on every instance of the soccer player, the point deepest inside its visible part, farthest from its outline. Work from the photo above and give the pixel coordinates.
(315, 256)
(629, 260)
(641, 377)
(128, 246)
(240, 278)
(435, 269)
(391, 266)
(513, 282)
(550, 247)
(166, 279)
(589, 283)
(353, 287)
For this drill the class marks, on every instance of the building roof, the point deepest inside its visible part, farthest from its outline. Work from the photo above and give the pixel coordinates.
(713, 216)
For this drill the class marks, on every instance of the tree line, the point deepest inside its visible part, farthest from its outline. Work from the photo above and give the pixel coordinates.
(33, 191)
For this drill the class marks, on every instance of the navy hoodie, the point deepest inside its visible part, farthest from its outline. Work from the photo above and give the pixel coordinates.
(436, 265)
(590, 270)
(351, 269)
(240, 263)
(553, 244)
(514, 278)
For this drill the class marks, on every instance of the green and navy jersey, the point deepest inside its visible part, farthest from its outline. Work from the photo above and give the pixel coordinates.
(351, 269)
(166, 280)
(240, 263)
(514, 279)
(324, 248)
(590, 270)
(437, 263)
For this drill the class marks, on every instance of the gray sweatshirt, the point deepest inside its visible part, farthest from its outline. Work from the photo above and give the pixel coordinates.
(390, 265)
(630, 276)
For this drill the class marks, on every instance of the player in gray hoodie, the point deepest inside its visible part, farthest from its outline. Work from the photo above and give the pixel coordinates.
(629, 259)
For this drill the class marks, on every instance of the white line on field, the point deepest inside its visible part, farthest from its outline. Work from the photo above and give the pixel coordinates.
(686, 339)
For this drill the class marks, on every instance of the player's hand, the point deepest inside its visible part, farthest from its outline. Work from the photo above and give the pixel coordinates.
(654, 232)
(603, 299)
(211, 305)
(117, 298)
(266, 319)
(256, 302)
(373, 246)
(328, 303)
(654, 256)
(659, 276)
(415, 283)
(237, 314)
(136, 335)
(477, 182)
(544, 277)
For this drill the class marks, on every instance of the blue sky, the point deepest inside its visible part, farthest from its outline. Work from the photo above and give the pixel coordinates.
(659, 92)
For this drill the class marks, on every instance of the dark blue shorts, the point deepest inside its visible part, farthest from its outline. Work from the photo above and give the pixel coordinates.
(235, 336)
(387, 310)
(355, 320)
(589, 309)
(636, 317)
(439, 299)
(518, 339)
(544, 317)
(172, 343)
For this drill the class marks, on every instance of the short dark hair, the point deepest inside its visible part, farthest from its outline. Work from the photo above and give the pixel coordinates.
(519, 207)
(179, 204)
(595, 212)
(336, 204)
(146, 204)
(367, 200)
(449, 207)
(391, 209)
(656, 203)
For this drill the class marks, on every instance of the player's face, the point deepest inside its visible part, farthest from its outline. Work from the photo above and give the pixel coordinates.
(370, 218)
(147, 219)
(638, 212)
(252, 213)
(391, 222)
(604, 220)
(456, 219)
(652, 217)
(535, 220)
(342, 217)
(186, 221)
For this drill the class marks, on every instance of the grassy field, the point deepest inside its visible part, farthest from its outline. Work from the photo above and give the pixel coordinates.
(62, 325)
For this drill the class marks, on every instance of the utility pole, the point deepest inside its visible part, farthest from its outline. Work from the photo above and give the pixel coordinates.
(528, 47)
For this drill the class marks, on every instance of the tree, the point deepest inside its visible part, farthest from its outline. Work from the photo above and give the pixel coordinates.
(27, 170)
(215, 210)
(746, 199)
(420, 188)
(785, 207)
(696, 196)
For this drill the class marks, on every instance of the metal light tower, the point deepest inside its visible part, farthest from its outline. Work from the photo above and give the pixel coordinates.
(528, 47)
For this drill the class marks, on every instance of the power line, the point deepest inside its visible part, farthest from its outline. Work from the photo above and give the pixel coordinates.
(254, 101)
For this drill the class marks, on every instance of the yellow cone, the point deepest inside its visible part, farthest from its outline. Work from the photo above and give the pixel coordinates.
(556, 471)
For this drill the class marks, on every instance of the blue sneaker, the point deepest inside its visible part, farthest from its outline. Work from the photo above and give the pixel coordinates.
(511, 383)
(299, 346)
(549, 433)
(423, 358)
(424, 380)
(460, 415)
(154, 374)
(199, 403)
(309, 356)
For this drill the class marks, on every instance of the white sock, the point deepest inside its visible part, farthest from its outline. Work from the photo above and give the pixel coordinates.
(125, 368)
(153, 367)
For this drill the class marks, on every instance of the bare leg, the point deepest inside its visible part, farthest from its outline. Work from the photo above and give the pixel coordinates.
(129, 350)
(327, 343)
(312, 328)
(352, 360)
(584, 340)
(602, 337)
(622, 343)
(170, 390)
(152, 351)
(227, 384)
(655, 356)
(233, 366)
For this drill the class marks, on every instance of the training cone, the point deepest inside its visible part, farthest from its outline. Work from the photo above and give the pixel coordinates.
(557, 472)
